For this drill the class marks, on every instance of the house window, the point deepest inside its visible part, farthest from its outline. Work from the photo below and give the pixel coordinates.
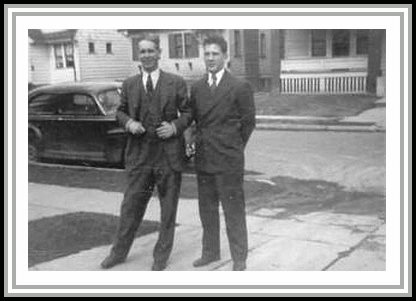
(340, 42)
(237, 43)
(191, 45)
(183, 45)
(69, 55)
(362, 41)
(175, 46)
(108, 48)
(135, 49)
(318, 42)
(64, 55)
(263, 45)
(59, 57)
(91, 48)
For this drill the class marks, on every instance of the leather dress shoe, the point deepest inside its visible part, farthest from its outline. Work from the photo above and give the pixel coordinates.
(239, 266)
(158, 266)
(204, 261)
(111, 260)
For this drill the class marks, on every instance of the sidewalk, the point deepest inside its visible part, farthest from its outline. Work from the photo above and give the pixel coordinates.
(372, 120)
(308, 242)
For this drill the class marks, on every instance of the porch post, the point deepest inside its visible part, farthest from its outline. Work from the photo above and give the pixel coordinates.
(374, 59)
(251, 56)
(276, 55)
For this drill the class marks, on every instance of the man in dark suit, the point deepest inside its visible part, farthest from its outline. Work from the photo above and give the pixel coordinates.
(155, 112)
(224, 113)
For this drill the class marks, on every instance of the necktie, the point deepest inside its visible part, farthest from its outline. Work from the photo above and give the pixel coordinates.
(214, 83)
(149, 84)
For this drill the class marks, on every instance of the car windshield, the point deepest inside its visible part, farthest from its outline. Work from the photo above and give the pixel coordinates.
(109, 100)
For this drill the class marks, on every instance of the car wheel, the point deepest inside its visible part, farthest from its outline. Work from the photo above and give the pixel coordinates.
(33, 153)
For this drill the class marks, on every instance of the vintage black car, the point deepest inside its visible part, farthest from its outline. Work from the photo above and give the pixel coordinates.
(76, 121)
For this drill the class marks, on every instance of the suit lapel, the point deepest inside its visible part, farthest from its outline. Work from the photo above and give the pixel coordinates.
(135, 100)
(162, 88)
(211, 101)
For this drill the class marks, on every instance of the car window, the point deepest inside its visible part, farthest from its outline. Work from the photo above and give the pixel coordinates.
(77, 104)
(43, 104)
(63, 104)
(109, 100)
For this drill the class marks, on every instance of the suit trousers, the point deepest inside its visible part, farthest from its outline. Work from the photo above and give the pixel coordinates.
(136, 198)
(225, 188)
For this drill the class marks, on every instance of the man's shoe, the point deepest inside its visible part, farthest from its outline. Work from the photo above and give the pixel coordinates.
(204, 261)
(239, 266)
(158, 266)
(111, 260)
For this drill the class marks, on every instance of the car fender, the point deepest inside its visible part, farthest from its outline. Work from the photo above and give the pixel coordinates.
(36, 131)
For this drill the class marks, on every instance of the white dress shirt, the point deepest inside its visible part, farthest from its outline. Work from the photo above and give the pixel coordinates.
(219, 75)
(154, 76)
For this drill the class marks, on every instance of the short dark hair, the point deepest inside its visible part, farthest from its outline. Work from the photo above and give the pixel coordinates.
(151, 38)
(218, 40)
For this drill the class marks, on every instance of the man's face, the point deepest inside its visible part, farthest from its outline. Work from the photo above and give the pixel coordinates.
(149, 55)
(214, 58)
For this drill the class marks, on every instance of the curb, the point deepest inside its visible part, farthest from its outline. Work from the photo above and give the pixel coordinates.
(321, 127)
(306, 123)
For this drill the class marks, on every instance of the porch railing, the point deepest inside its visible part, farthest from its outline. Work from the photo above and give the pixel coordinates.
(345, 83)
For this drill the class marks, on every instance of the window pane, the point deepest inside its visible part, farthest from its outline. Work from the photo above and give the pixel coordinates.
(69, 55)
(109, 100)
(108, 48)
(59, 59)
(318, 42)
(91, 47)
(262, 45)
(341, 42)
(237, 43)
(135, 48)
(362, 41)
(77, 104)
(178, 46)
(191, 45)
(175, 46)
(43, 104)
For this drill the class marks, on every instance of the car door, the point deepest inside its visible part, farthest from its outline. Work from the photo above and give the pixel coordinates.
(80, 129)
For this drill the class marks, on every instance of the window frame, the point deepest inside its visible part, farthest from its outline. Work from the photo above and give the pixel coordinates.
(360, 35)
(183, 45)
(263, 45)
(338, 39)
(109, 50)
(237, 44)
(62, 53)
(316, 42)
(91, 48)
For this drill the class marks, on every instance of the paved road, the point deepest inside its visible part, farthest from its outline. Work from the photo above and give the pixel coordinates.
(352, 159)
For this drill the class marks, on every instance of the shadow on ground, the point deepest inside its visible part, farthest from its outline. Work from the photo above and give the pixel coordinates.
(62, 235)
(298, 196)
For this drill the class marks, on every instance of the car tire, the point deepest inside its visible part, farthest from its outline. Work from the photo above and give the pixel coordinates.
(33, 153)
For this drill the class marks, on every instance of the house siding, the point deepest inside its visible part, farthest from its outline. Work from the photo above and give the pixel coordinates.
(101, 66)
(39, 64)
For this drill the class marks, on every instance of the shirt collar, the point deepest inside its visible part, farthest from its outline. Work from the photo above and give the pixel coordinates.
(219, 75)
(155, 74)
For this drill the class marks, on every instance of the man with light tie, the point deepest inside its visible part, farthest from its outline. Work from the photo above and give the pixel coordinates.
(224, 114)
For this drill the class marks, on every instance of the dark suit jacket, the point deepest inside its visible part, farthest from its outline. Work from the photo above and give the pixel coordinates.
(172, 93)
(224, 123)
